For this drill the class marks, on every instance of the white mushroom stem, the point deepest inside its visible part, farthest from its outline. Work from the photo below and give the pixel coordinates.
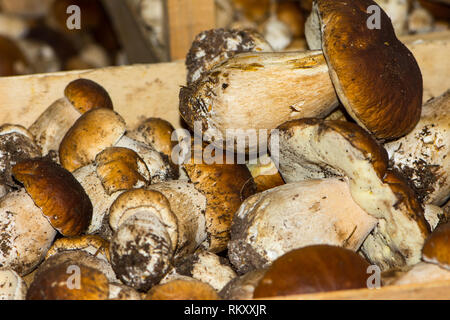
(295, 215)
(52, 125)
(100, 199)
(12, 286)
(25, 233)
(423, 154)
(141, 249)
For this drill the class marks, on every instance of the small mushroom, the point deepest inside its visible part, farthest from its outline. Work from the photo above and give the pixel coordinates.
(12, 286)
(80, 96)
(376, 77)
(295, 215)
(183, 290)
(436, 249)
(312, 269)
(58, 283)
(423, 155)
(314, 148)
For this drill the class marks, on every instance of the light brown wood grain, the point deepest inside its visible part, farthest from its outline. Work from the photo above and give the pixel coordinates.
(186, 19)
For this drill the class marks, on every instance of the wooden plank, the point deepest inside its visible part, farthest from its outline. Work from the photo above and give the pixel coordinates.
(185, 19)
(437, 290)
(132, 38)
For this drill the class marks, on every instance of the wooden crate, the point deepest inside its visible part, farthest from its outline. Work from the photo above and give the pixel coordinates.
(142, 91)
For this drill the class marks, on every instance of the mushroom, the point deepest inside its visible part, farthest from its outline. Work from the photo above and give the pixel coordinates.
(242, 287)
(214, 46)
(436, 249)
(420, 20)
(295, 215)
(16, 144)
(80, 96)
(51, 201)
(119, 291)
(215, 101)
(422, 272)
(102, 128)
(206, 267)
(265, 174)
(376, 77)
(59, 282)
(145, 237)
(422, 155)
(312, 269)
(317, 149)
(183, 290)
(12, 286)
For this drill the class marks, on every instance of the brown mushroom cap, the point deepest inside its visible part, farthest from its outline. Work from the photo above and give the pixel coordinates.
(60, 196)
(317, 268)
(86, 95)
(93, 244)
(437, 247)
(121, 169)
(55, 282)
(376, 77)
(94, 131)
(183, 290)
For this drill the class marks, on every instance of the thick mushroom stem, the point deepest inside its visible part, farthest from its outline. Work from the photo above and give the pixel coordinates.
(423, 155)
(215, 101)
(295, 215)
(141, 250)
(26, 234)
(313, 148)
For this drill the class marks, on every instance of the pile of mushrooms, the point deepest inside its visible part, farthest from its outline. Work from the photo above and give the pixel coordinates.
(93, 209)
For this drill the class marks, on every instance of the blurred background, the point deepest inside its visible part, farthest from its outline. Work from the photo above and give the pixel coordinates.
(35, 38)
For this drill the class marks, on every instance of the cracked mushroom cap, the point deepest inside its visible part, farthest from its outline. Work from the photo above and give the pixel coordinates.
(423, 155)
(211, 47)
(311, 269)
(375, 76)
(16, 144)
(436, 249)
(59, 282)
(223, 186)
(94, 131)
(295, 215)
(183, 290)
(314, 148)
(55, 190)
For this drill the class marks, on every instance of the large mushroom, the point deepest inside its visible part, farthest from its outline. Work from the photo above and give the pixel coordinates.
(314, 148)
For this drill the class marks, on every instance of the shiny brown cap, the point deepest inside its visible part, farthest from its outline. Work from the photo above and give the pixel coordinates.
(57, 283)
(183, 290)
(86, 95)
(121, 169)
(437, 247)
(317, 268)
(94, 131)
(376, 77)
(59, 195)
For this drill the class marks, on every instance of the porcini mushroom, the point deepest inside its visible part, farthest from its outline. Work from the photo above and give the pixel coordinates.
(314, 148)
(183, 290)
(375, 76)
(423, 155)
(311, 269)
(80, 96)
(295, 215)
